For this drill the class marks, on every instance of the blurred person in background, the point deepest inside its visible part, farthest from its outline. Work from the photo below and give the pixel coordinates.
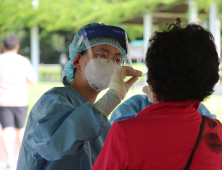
(183, 68)
(67, 127)
(15, 72)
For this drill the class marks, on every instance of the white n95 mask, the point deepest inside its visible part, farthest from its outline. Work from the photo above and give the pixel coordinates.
(148, 92)
(99, 75)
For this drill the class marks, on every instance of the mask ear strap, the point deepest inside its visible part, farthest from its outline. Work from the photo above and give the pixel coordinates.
(83, 58)
(81, 73)
(79, 70)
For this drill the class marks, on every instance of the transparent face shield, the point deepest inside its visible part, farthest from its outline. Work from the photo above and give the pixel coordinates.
(109, 44)
(105, 50)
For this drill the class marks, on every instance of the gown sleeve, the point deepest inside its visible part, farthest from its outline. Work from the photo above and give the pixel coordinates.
(204, 111)
(113, 153)
(59, 128)
(130, 108)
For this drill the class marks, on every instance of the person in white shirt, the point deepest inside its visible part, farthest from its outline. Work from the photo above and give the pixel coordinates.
(15, 72)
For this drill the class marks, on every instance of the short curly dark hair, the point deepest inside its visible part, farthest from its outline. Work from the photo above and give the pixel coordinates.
(182, 63)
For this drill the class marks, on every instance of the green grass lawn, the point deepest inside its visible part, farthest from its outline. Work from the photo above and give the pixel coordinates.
(213, 103)
(36, 91)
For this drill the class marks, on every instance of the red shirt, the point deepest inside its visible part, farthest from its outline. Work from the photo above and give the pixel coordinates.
(162, 136)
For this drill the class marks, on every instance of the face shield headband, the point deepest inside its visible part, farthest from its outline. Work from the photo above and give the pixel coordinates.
(103, 31)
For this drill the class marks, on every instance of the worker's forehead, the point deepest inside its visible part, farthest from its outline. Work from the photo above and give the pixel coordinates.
(106, 48)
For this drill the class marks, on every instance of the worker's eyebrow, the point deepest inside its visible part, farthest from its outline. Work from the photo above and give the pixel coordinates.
(105, 50)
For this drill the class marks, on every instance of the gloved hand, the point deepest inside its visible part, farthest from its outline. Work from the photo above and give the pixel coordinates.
(117, 81)
(148, 92)
(118, 89)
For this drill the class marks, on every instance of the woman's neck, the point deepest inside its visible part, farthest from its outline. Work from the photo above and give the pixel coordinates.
(155, 101)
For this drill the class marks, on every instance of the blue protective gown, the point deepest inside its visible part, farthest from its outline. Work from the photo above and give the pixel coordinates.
(63, 132)
(135, 104)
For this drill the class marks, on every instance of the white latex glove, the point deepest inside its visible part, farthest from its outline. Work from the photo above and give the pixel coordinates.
(118, 89)
(148, 92)
(117, 81)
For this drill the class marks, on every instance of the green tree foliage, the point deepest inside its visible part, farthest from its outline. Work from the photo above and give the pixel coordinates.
(58, 19)
(70, 15)
(15, 15)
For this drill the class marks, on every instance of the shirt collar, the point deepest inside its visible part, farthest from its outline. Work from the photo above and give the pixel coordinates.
(183, 104)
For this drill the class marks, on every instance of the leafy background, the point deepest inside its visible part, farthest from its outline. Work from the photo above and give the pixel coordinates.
(58, 21)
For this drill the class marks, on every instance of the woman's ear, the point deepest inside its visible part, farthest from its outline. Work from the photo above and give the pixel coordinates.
(76, 61)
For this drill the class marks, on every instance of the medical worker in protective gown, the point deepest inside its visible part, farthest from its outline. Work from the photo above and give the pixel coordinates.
(66, 128)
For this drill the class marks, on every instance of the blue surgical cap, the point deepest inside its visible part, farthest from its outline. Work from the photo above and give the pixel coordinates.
(75, 47)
